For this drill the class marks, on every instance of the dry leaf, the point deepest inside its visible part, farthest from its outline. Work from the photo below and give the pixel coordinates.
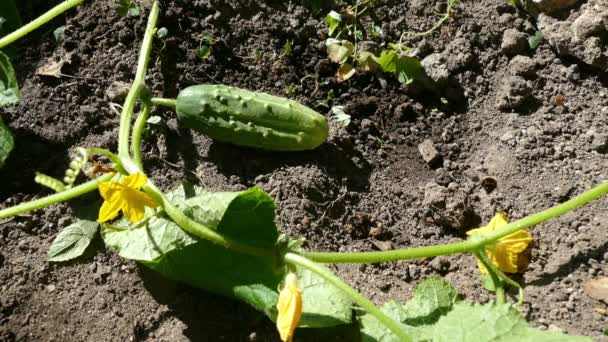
(51, 69)
(597, 289)
(339, 51)
(345, 72)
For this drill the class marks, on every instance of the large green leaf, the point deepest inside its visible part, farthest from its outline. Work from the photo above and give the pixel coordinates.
(246, 216)
(6, 142)
(434, 314)
(72, 241)
(323, 305)
(9, 89)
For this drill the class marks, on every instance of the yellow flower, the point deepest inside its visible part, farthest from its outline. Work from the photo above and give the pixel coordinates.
(507, 253)
(289, 307)
(125, 196)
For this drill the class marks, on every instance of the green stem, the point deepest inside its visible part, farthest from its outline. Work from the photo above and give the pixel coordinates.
(138, 130)
(36, 23)
(498, 285)
(324, 273)
(464, 246)
(138, 83)
(55, 198)
(158, 101)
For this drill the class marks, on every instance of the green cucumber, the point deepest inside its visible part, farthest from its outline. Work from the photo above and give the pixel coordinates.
(247, 118)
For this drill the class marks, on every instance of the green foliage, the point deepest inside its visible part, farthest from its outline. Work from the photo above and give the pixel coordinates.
(333, 20)
(73, 240)
(59, 34)
(351, 59)
(6, 142)
(341, 117)
(204, 49)
(163, 246)
(405, 68)
(9, 89)
(435, 314)
(535, 40)
(324, 304)
(162, 33)
(127, 8)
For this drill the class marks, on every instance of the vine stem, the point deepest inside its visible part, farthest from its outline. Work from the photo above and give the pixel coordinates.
(326, 274)
(55, 198)
(492, 271)
(138, 83)
(36, 23)
(447, 15)
(138, 130)
(471, 245)
(158, 101)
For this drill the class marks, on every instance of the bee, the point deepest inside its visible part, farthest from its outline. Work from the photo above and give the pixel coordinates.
(98, 168)
(489, 184)
(559, 100)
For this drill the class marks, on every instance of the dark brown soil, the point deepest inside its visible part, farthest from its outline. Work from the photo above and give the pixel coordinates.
(367, 188)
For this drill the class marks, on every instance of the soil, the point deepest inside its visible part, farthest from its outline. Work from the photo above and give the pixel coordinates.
(534, 121)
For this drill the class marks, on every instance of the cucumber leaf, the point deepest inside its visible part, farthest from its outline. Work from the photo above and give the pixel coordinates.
(6, 142)
(435, 314)
(9, 89)
(247, 217)
(73, 240)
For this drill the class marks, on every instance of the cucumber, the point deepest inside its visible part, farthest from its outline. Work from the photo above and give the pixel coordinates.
(247, 118)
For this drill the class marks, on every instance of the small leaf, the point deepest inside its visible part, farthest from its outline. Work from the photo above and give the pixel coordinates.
(72, 241)
(341, 117)
(345, 71)
(59, 34)
(162, 33)
(203, 52)
(367, 61)
(333, 20)
(407, 69)
(9, 89)
(6, 142)
(339, 51)
(535, 40)
(154, 120)
(126, 8)
(387, 60)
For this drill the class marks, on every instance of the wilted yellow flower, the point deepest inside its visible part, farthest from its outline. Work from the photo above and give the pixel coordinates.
(506, 253)
(289, 307)
(125, 196)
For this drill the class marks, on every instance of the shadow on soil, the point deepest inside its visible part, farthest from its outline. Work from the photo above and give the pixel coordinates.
(205, 315)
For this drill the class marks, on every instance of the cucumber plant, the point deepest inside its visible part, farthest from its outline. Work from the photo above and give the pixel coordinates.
(228, 242)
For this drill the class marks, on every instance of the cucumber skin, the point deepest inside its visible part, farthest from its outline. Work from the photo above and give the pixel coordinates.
(247, 118)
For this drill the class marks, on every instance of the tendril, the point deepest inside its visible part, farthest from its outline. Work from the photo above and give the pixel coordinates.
(75, 167)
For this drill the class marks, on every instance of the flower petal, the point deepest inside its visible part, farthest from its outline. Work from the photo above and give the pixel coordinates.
(135, 181)
(289, 307)
(108, 190)
(133, 208)
(110, 209)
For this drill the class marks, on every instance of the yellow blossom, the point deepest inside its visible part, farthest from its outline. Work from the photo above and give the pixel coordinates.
(289, 307)
(125, 196)
(507, 253)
